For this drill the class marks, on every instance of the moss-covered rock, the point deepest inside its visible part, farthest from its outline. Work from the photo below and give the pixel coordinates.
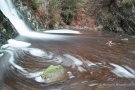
(54, 74)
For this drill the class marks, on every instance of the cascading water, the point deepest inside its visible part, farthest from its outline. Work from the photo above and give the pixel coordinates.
(9, 10)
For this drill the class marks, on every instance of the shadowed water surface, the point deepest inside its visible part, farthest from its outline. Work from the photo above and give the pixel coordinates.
(94, 61)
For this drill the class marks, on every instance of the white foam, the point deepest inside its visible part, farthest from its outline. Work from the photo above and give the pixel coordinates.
(110, 43)
(125, 39)
(58, 59)
(37, 52)
(63, 31)
(84, 82)
(15, 43)
(5, 46)
(130, 69)
(122, 72)
(33, 75)
(81, 69)
(11, 61)
(70, 75)
(93, 84)
(39, 79)
(133, 52)
(75, 60)
(36, 75)
(89, 63)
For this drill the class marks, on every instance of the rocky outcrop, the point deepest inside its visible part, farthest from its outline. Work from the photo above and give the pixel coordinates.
(7, 31)
(27, 13)
(55, 14)
(117, 16)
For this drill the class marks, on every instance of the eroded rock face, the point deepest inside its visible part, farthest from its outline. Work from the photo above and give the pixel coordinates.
(7, 31)
(27, 13)
(117, 16)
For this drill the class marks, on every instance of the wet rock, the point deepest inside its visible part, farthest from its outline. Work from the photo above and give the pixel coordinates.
(54, 74)
(7, 31)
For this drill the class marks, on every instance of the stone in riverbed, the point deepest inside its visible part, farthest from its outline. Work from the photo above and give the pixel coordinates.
(54, 74)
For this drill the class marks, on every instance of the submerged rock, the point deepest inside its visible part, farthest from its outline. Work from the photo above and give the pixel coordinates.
(54, 74)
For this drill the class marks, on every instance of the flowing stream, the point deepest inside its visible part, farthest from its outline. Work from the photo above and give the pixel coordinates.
(94, 60)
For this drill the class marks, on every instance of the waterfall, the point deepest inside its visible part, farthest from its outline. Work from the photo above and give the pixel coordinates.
(8, 9)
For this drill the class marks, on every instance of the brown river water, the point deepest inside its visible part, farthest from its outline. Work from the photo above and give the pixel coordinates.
(94, 61)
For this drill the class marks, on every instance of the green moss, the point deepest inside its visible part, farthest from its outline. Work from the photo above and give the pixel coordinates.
(69, 9)
(67, 16)
(52, 70)
(36, 4)
(128, 1)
